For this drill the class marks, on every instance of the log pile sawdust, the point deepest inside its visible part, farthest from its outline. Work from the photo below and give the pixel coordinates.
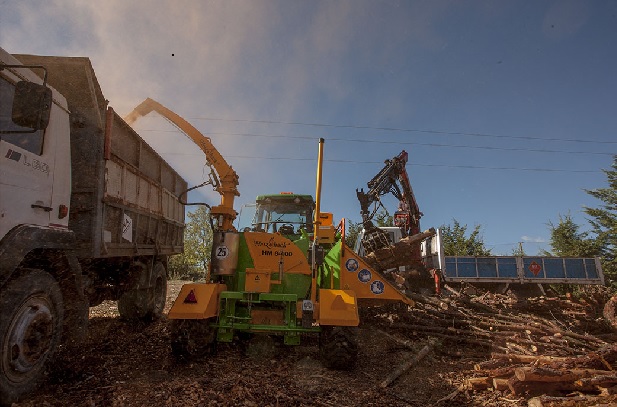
(541, 351)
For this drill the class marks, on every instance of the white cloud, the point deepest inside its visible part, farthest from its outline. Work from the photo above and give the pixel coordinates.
(532, 239)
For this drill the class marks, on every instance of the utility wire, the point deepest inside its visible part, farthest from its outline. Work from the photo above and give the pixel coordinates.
(401, 130)
(472, 167)
(438, 145)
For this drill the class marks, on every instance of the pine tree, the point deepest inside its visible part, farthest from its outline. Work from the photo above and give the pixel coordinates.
(604, 221)
(567, 241)
(455, 243)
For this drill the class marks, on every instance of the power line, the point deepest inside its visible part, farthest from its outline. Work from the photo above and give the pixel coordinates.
(471, 167)
(438, 145)
(402, 130)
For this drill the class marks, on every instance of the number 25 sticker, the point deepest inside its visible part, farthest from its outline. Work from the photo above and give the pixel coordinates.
(222, 252)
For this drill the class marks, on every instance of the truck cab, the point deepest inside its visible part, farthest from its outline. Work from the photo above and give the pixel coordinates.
(34, 159)
(88, 212)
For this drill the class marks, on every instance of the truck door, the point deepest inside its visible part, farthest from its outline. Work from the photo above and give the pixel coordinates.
(26, 168)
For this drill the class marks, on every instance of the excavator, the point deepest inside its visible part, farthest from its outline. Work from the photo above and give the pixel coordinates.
(420, 266)
(289, 274)
(392, 178)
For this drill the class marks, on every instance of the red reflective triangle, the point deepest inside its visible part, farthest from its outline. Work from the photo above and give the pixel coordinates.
(190, 298)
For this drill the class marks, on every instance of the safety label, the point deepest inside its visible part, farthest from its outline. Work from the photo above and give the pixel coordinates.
(351, 265)
(377, 287)
(364, 275)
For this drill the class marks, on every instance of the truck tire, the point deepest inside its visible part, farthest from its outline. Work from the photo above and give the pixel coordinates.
(159, 291)
(30, 331)
(192, 338)
(338, 347)
(146, 304)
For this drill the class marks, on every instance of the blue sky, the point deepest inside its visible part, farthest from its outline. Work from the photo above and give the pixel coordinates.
(507, 109)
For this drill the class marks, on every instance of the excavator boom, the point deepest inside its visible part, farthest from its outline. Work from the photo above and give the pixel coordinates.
(227, 185)
(392, 179)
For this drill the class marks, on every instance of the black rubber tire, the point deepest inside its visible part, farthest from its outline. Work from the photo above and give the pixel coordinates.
(146, 304)
(338, 347)
(192, 338)
(159, 291)
(133, 305)
(30, 331)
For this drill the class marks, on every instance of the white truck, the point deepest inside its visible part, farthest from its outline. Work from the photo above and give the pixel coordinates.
(88, 212)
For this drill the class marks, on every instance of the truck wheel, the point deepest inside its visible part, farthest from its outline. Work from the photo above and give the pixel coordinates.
(159, 291)
(338, 347)
(146, 304)
(192, 338)
(30, 331)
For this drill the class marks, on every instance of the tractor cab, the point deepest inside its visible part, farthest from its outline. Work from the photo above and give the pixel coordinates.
(285, 213)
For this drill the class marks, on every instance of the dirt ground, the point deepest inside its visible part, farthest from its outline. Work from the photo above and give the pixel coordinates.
(127, 364)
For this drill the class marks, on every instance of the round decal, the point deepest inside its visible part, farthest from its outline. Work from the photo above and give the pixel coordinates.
(377, 287)
(351, 265)
(364, 276)
(222, 252)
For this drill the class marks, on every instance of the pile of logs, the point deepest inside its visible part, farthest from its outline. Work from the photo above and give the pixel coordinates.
(591, 374)
(499, 328)
(399, 254)
(538, 347)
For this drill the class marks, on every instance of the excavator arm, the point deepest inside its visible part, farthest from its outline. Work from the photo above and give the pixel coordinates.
(392, 179)
(226, 183)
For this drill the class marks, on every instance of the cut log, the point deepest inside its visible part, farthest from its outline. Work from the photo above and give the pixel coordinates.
(402, 342)
(519, 388)
(599, 380)
(506, 371)
(610, 311)
(548, 375)
(399, 254)
(478, 383)
(517, 358)
(500, 384)
(406, 365)
(550, 401)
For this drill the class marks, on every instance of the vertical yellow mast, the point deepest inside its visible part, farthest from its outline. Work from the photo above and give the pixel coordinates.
(317, 221)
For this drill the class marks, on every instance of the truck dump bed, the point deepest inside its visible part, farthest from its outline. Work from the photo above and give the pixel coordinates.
(511, 269)
(525, 269)
(124, 195)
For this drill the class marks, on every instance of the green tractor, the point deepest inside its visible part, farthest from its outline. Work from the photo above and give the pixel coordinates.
(279, 277)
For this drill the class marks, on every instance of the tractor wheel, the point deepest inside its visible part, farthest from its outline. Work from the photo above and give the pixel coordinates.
(192, 338)
(338, 347)
(30, 331)
(146, 304)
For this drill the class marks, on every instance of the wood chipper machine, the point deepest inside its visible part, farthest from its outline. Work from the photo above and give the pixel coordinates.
(288, 275)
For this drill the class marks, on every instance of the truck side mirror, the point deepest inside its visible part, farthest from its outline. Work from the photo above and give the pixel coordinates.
(31, 105)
